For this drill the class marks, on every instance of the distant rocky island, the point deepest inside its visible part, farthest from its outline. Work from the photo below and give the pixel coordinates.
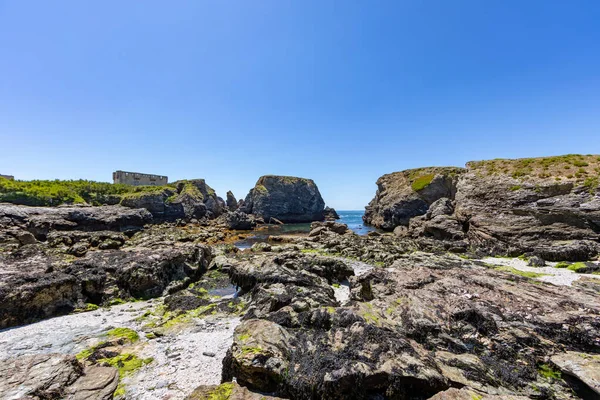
(480, 283)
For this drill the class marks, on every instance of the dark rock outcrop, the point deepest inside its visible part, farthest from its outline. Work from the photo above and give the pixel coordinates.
(232, 203)
(407, 194)
(40, 221)
(330, 214)
(416, 329)
(239, 220)
(38, 284)
(288, 199)
(549, 207)
(186, 200)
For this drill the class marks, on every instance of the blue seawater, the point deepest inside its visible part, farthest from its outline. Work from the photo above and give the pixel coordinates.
(353, 218)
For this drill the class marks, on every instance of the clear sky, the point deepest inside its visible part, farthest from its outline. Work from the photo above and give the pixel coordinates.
(338, 91)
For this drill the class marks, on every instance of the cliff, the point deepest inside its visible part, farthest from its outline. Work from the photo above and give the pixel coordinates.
(549, 206)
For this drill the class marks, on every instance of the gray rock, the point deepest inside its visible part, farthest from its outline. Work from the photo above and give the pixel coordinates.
(239, 220)
(536, 261)
(403, 195)
(53, 376)
(288, 199)
(585, 367)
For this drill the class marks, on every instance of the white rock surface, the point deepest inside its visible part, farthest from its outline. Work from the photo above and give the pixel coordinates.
(556, 276)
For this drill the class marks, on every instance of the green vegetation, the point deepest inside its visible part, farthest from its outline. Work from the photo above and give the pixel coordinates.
(85, 354)
(515, 271)
(548, 372)
(88, 307)
(120, 392)
(221, 392)
(577, 267)
(562, 264)
(56, 192)
(515, 188)
(422, 182)
(124, 333)
(126, 363)
(261, 188)
(251, 350)
(558, 167)
(52, 193)
(243, 337)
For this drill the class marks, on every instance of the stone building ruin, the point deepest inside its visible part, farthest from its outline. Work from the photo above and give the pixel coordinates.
(139, 179)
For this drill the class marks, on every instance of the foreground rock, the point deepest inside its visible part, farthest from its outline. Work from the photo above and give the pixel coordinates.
(426, 324)
(38, 283)
(288, 199)
(548, 207)
(54, 376)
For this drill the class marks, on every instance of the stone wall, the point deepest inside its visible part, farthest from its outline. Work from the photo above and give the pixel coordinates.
(138, 179)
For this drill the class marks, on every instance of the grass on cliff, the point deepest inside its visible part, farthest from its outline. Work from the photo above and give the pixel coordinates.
(422, 182)
(582, 169)
(56, 192)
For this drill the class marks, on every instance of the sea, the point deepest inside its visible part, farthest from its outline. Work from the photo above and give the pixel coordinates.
(352, 218)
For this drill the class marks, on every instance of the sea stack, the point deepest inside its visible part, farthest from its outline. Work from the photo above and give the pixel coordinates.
(286, 198)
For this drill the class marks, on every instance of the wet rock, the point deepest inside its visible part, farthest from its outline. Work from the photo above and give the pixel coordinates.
(288, 199)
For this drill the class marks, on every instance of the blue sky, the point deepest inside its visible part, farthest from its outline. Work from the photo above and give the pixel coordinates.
(338, 91)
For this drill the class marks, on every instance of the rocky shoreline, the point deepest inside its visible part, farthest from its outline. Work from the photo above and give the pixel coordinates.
(120, 301)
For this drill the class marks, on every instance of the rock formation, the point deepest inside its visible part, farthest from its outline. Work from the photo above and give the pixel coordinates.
(288, 199)
(183, 200)
(55, 376)
(547, 206)
(232, 203)
(330, 214)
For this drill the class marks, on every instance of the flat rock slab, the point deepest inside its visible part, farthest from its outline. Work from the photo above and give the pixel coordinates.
(50, 376)
(585, 367)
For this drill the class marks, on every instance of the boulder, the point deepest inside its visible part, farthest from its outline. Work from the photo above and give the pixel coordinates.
(584, 367)
(327, 226)
(288, 199)
(330, 214)
(229, 391)
(54, 376)
(239, 220)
